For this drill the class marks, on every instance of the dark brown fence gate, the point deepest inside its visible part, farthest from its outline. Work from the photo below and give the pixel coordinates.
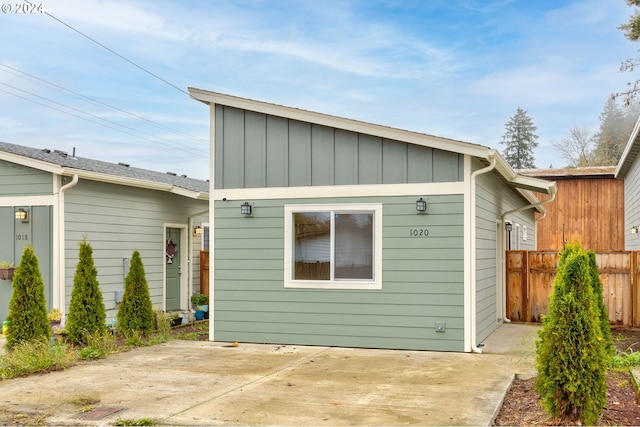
(530, 276)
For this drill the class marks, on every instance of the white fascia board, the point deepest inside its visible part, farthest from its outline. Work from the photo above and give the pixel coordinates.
(31, 163)
(415, 138)
(130, 182)
(625, 160)
(333, 191)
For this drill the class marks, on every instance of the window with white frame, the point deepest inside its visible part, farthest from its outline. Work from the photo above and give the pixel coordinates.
(333, 246)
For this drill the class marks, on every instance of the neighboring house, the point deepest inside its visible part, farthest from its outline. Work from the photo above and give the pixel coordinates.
(589, 207)
(117, 208)
(628, 169)
(329, 231)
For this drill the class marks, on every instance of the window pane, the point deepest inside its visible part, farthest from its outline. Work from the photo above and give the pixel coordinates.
(313, 245)
(354, 246)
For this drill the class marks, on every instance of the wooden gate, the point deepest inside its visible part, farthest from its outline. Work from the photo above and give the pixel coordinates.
(530, 276)
(204, 272)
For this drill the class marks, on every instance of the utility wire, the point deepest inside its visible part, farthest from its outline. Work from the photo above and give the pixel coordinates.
(43, 82)
(115, 53)
(110, 124)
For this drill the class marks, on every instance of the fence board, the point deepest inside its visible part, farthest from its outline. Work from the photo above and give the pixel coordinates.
(530, 277)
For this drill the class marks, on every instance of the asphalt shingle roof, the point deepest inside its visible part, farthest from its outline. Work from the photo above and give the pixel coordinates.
(61, 158)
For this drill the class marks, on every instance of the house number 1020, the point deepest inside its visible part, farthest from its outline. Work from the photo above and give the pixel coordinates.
(418, 232)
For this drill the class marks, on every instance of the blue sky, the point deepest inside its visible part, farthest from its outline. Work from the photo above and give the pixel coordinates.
(457, 69)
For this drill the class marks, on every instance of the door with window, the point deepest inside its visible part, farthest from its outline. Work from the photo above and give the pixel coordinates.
(173, 269)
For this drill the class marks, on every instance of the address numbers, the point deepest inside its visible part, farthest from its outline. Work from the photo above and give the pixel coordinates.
(418, 232)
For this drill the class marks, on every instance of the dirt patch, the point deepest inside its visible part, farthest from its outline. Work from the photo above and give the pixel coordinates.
(522, 404)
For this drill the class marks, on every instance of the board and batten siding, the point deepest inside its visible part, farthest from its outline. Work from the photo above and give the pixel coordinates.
(632, 205)
(117, 220)
(255, 150)
(492, 199)
(17, 180)
(422, 281)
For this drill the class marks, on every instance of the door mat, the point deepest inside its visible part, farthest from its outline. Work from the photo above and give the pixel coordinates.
(100, 413)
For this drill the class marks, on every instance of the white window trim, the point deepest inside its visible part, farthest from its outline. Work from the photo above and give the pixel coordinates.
(374, 284)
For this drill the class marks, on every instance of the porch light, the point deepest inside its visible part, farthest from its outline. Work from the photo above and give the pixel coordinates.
(22, 215)
(508, 227)
(634, 229)
(197, 230)
(421, 205)
(245, 208)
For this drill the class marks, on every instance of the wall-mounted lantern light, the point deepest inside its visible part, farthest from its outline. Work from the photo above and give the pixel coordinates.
(22, 215)
(634, 229)
(508, 227)
(245, 208)
(421, 205)
(197, 230)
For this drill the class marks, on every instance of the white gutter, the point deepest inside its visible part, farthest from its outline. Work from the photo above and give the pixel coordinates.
(189, 258)
(61, 303)
(553, 190)
(472, 254)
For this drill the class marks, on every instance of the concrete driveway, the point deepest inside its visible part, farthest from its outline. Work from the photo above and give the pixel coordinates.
(212, 383)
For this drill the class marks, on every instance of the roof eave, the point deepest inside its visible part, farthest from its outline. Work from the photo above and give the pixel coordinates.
(630, 152)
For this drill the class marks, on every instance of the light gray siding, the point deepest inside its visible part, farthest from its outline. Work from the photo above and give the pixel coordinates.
(422, 281)
(16, 180)
(117, 220)
(632, 205)
(492, 199)
(254, 150)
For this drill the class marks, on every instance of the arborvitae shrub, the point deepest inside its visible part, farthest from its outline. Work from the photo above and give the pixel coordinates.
(28, 306)
(86, 315)
(601, 307)
(571, 354)
(135, 313)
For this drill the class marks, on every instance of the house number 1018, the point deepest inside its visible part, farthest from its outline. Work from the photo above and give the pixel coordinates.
(22, 237)
(418, 232)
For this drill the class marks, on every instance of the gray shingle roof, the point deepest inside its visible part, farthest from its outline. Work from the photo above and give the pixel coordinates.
(61, 158)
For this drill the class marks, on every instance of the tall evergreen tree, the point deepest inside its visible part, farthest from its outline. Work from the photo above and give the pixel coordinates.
(572, 353)
(136, 310)
(616, 125)
(520, 140)
(86, 309)
(28, 306)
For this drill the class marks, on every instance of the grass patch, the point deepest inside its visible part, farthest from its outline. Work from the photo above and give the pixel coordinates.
(34, 356)
(135, 422)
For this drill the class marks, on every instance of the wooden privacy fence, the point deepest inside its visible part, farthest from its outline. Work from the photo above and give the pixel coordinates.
(530, 276)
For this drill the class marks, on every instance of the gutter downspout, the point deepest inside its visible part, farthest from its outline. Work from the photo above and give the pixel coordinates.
(61, 242)
(553, 190)
(190, 257)
(472, 254)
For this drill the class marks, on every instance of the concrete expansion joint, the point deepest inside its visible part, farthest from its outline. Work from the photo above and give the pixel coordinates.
(253, 382)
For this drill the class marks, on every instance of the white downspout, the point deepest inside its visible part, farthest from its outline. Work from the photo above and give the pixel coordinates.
(61, 303)
(472, 254)
(553, 190)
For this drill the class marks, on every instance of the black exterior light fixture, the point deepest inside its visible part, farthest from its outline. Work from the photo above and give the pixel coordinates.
(508, 227)
(197, 230)
(245, 209)
(421, 205)
(22, 215)
(634, 229)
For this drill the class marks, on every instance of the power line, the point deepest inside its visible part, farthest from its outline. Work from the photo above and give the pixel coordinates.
(115, 53)
(49, 84)
(109, 124)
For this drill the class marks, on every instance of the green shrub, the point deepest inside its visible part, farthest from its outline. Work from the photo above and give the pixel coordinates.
(135, 313)
(28, 307)
(571, 354)
(86, 310)
(596, 283)
(99, 345)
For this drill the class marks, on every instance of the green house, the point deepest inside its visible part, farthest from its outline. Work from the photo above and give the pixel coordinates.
(334, 232)
(51, 199)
